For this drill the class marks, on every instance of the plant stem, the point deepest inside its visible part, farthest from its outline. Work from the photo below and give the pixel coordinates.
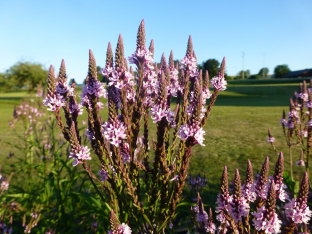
(291, 163)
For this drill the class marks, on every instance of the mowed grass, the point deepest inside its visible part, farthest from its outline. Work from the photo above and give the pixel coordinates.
(236, 131)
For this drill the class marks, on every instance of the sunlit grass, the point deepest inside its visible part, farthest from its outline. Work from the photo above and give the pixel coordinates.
(236, 131)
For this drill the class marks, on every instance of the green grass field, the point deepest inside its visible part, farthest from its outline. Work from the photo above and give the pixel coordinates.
(236, 130)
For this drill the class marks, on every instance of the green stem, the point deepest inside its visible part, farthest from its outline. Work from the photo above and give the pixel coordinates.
(291, 163)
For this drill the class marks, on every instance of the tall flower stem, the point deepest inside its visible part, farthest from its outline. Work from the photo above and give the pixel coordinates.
(291, 163)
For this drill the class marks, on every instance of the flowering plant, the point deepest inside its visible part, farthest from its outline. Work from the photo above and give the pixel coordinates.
(140, 193)
(235, 209)
(297, 127)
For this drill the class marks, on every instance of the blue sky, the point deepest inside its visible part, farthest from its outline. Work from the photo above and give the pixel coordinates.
(268, 32)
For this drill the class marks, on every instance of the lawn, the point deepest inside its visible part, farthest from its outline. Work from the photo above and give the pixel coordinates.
(236, 130)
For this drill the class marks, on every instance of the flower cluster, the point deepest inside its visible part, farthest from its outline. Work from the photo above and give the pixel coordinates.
(234, 204)
(297, 210)
(219, 83)
(142, 56)
(4, 183)
(54, 102)
(189, 63)
(116, 141)
(92, 88)
(114, 132)
(103, 174)
(271, 139)
(4, 229)
(195, 184)
(202, 219)
(26, 111)
(194, 131)
(297, 213)
(300, 162)
(80, 155)
(158, 112)
(268, 225)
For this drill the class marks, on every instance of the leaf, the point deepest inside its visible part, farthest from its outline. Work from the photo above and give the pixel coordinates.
(186, 204)
(24, 195)
(292, 185)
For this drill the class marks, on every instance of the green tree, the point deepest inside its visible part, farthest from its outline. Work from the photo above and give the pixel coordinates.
(212, 65)
(72, 80)
(246, 74)
(26, 74)
(100, 76)
(263, 72)
(281, 70)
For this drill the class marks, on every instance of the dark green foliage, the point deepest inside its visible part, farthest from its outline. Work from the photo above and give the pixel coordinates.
(281, 70)
(263, 72)
(254, 77)
(246, 74)
(212, 65)
(100, 76)
(72, 80)
(24, 74)
(51, 187)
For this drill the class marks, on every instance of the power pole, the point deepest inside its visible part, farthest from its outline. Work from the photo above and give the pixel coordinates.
(243, 54)
(263, 66)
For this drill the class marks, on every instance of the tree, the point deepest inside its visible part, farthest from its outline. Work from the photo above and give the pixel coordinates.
(212, 65)
(72, 80)
(281, 70)
(26, 74)
(100, 76)
(246, 74)
(254, 77)
(263, 72)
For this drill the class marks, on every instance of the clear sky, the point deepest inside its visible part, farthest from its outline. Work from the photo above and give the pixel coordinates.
(269, 32)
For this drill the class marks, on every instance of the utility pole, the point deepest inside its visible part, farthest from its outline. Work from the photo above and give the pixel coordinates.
(243, 54)
(263, 66)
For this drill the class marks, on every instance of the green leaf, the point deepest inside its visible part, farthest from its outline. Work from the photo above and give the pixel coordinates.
(24, 195)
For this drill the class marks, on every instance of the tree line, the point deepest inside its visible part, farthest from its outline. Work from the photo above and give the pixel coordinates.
(28, 75)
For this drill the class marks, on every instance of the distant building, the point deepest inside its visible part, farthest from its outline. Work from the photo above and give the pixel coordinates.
(299, 73)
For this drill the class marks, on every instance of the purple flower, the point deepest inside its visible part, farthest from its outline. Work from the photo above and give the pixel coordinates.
(239, 210)
(219, 83)
(54, 103)
(124, 229)
(4, 185)
(296, 213)
(64, 89)
(206, 94)
(81, 155)
(75, 108)
(190, 63)
(114, 132)
(304, 133)
(92, 88)
(249, 192)
(308, 104)
(125, 152)
(270, 139)
(297, 210)
(202, 217)
(103, 174)
(84, 153)
(143, 56)
(304, 96)
(300, 163)
(161, 111)
(210, 227)
(194, 130)
(262, 223)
